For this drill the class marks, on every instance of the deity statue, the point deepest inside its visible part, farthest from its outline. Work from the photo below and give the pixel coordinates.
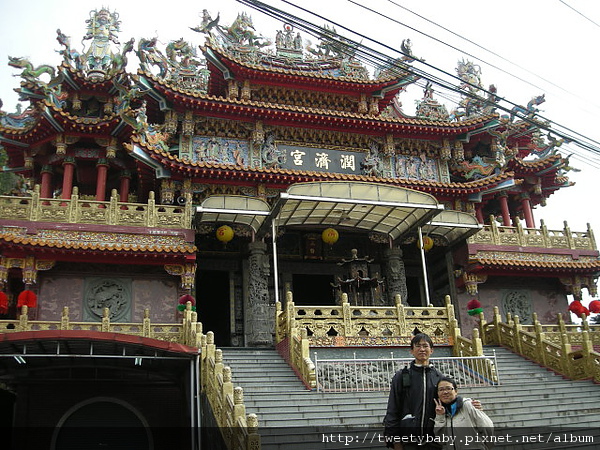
(102, 29)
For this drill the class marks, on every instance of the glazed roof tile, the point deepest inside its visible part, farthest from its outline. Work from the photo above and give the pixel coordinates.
(536, 164)
(302, 73)
(590, 265)
(35, 241)
(454, 127)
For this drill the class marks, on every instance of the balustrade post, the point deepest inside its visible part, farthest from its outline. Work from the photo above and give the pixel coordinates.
(497, 319)
(203, 361)
(291, 314)
(198, 334)
(517, 327)
(400, 316)
(520, 233)
(74, 207)
(23, 319)
(568, 235)
(193, 336)
(539, 338)
(565, 361)
(562, 328)
(188, 211)
(35, 204)
(227, 383)
(584, 323)
(586, 349)
(151, 212)
(239, 410)
(591, 238)
(477, 345)
(253, 442)
(64, 319)
(105, 327)
(482, 323)
(347, 315)
(495, 231)
(545, 235)
(146, 328)
(113, 208)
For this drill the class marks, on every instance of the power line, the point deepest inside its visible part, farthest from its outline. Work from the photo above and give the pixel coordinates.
(581, 14)
(378, 58)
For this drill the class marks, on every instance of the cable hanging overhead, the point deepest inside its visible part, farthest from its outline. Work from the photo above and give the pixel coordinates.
(376, 58)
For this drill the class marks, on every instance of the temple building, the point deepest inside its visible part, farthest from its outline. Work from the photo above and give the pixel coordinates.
(232, 172)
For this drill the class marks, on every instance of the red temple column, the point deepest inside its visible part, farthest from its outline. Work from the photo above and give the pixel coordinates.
(101, 174)
(479, 213)
(46, 187)
(124, 188)
(503, 199)
(527, 211)
(67, 187)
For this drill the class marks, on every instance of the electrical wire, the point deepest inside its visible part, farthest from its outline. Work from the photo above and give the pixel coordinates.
(510, 74)
(581, 14)
(374, 57)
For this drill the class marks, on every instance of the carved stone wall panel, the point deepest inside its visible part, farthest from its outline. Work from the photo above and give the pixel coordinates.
(546, 295)
(107, 292)
(56, 292)
(160, 296)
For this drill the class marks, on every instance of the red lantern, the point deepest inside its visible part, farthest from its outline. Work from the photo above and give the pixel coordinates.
(594, 306)
(474, 307)
(183, 301)
(3, 303)
(578, 309)
(27, 298)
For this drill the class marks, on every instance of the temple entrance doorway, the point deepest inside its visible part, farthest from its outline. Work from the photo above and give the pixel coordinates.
(102, 423)
(313, 290)
(214, 304)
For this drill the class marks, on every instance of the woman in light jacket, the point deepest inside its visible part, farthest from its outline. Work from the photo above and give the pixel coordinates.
(458, 424)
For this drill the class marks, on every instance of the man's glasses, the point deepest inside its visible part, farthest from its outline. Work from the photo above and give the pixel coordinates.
(445, 389)
(425, 346)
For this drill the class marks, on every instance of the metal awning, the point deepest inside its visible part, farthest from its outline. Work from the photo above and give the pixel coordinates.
(237, 209)
(454, 226)
(390, 210)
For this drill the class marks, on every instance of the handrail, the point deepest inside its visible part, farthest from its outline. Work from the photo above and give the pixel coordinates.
(346, 325)
(35, 208)
(362, 326)
(370, 374)
(494, 234)
(551, 349)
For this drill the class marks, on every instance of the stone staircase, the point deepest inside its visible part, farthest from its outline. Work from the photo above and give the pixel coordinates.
(531, 401)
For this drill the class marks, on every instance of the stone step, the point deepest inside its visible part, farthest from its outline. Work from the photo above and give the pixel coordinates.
(529, 396)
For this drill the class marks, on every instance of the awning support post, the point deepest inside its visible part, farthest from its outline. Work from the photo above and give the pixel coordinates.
(425, 278)
(275, 261)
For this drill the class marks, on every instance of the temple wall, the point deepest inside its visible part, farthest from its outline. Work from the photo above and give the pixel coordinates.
(519, 295)
(158, 294)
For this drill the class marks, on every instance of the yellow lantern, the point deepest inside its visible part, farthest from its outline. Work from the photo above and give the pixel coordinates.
(330, 236)
(427, 243)
(224, 233)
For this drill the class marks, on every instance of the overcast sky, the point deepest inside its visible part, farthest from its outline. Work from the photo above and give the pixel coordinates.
(538, 46)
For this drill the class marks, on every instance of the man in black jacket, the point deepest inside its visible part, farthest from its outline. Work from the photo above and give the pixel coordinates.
(411, 410)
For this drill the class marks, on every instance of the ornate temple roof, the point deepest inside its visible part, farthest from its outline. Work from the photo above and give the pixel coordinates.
(84, 244)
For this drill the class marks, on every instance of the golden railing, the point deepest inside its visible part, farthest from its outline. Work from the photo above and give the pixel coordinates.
(297, 328)
(240, 432)
(112, 212)
(494, 234)
(548, 345)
